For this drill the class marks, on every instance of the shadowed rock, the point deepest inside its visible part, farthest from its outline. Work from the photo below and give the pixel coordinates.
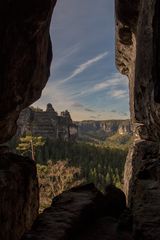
(25, 57)
(19, 200)
(138, 56)
(115, 201)
(77, 214)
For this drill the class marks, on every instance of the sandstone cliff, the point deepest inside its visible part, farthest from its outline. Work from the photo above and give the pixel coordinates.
(137, 56)
(25, 57)
(101, 130)
(108, 126)
(47, 124)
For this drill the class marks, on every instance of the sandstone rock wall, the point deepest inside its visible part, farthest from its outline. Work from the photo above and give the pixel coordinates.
(19, 200)
(25, 57)
(137, 56)
(47, 124)
(108, 126)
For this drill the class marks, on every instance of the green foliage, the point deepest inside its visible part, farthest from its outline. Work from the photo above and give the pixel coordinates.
(98, 163)
(55, 178)
(30, 144)
(119, 141)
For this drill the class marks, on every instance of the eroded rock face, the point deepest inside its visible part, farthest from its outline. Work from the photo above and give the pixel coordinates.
(137, 56)
(25, 57)
(145, 190)
(19, 200)
(47, 124)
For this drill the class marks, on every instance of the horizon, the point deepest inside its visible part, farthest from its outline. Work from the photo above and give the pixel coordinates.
(84, 78)
(59, 112)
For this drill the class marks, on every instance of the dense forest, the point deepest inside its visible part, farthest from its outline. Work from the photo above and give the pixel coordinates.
(75, 162)
(99, 163)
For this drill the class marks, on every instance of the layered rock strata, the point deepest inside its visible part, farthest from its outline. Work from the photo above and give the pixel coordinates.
(47, 124)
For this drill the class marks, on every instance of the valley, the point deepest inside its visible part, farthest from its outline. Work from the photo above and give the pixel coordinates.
(84, 151)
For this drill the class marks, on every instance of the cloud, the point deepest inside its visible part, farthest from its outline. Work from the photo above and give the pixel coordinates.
(82, 67)
(77, 105)
(80, 44)
(89, 110)
(96, 116)
(113, 111)
(116, 80)
(123, 114)
(119, 94)
(65, 56)
(59, 97)
(80, 106)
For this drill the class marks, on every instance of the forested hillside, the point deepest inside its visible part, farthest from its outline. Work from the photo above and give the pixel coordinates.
(99, 163)
(63, 164)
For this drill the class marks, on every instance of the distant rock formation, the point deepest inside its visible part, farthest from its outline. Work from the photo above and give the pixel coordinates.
(25, 59)
(108, 126)
(47, 124)
(124, 128)
(103, 129)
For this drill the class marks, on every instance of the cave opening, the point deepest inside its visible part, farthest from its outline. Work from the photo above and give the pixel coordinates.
(25, 61)
(83, 113)
(84, 80)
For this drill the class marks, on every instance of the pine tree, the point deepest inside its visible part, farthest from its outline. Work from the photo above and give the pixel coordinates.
(30, 144)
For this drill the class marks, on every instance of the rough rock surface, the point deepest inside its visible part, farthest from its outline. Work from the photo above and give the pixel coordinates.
(115, 201)
(25, 57)
(144, 195)
(77, 214)
(103, 129)
(19, 200)
(137, 56)
(47, 124)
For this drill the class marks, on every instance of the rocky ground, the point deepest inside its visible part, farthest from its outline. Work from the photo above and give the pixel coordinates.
(84, 213)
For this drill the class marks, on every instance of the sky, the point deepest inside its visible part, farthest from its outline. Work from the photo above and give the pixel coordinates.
(84, 79)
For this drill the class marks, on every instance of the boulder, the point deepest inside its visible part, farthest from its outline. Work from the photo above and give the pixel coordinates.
(115, 201)
(19, 200)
